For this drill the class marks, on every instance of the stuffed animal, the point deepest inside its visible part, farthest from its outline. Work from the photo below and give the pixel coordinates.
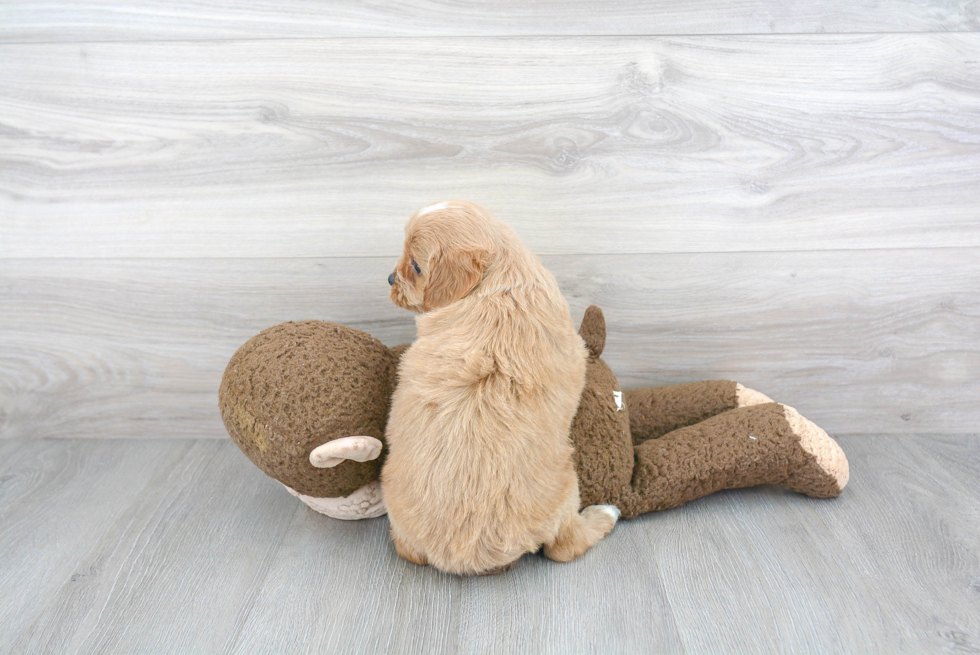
(307, 402)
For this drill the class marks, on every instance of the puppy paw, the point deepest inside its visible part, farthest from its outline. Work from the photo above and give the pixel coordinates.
(500, 569)
(406, 552)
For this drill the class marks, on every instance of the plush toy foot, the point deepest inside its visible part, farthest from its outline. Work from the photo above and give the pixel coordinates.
(367, 502)
(758, 444)
(745, 397)
(824, 472)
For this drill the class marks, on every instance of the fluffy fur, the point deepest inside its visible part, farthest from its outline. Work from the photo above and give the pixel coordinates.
(479, 468)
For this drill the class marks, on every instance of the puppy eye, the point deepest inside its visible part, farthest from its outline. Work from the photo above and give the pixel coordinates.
(418, 269)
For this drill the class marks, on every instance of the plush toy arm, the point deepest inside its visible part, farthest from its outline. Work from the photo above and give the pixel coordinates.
(366, 502)
(759, 444)
(358, 449)
(656, 411)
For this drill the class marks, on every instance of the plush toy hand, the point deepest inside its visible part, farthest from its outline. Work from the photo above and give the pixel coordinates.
(332, 453)
(366, 502)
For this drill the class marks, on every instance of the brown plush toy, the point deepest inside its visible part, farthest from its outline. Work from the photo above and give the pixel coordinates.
(308, 402)
(652, 449)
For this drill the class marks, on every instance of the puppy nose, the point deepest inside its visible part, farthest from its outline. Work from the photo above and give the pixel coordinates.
(391, 279)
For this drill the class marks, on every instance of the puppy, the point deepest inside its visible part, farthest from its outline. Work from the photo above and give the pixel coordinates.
(479, 468)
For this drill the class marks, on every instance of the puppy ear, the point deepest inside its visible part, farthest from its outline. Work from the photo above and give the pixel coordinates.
(452, 275)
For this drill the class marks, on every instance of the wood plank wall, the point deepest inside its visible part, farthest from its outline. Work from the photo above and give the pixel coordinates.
(784, 195)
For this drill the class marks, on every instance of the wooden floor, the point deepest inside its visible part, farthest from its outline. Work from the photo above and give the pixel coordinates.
(165, 545)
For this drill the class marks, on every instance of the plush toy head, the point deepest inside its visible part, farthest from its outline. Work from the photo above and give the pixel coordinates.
(297, 386)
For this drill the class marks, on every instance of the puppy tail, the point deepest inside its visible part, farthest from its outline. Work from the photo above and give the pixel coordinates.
(581, 531)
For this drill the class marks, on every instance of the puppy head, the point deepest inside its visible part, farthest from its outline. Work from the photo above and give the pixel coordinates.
(447, 247)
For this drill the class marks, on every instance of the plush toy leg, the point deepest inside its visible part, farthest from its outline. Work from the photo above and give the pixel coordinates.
(760, 444)
(657, 411)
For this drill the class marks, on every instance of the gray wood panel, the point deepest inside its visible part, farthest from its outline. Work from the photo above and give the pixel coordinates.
(57, 498)
(422, 610)
(586, 145)
(211, 556)
(216, 19)
(864, 573)
(858, 341)
(182, 563)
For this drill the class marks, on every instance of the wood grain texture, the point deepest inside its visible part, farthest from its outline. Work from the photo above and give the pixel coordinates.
(181, 564)
(856, 341)
(220, 19)
(421, 610)
(586, 145)
(210, 555)
(902, 541)
(57, 498)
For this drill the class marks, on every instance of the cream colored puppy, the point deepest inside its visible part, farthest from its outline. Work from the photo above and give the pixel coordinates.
(479, 468)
